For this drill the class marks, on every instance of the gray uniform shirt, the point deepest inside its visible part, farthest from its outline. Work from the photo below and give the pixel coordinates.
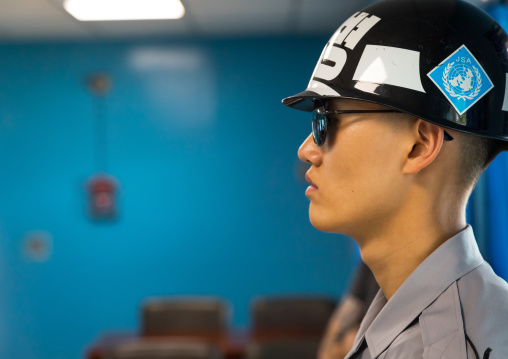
(452, 306)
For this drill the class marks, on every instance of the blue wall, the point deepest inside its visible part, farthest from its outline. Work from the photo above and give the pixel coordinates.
(489, 207)
(212, 196)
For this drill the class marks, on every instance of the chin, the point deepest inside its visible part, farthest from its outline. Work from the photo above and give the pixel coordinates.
(325, 222)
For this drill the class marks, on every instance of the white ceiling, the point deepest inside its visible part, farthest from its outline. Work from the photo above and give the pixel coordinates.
(41, 20)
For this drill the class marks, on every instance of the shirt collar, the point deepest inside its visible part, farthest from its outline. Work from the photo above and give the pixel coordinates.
(385, 320)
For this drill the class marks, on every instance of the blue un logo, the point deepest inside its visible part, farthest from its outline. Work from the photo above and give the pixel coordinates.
(461, 79)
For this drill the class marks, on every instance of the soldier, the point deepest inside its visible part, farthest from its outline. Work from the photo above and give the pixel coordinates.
(397, 145)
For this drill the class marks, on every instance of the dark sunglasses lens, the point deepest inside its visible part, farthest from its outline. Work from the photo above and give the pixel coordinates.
(447, 136)
(319, 123)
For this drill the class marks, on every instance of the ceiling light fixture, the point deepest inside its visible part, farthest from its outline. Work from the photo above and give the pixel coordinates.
(110, 10)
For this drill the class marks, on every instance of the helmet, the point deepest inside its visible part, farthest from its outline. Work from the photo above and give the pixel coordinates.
(444, 61)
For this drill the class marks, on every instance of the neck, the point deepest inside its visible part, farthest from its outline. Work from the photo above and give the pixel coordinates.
(394, 249)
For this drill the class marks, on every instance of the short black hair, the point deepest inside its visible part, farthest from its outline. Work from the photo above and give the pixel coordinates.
(476, 153)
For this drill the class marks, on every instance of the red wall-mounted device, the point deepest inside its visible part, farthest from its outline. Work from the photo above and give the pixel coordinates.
(102, 201)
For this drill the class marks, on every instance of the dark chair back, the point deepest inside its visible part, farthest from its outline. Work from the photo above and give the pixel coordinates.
(284, 349)
(291, 316)
(192, 316)
(164, 350)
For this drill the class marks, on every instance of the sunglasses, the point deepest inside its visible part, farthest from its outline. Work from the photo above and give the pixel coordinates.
(320, 122)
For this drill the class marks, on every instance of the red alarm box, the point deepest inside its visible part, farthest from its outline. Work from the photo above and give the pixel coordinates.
(102, 202)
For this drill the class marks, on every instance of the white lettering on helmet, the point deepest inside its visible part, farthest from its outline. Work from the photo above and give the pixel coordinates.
(361, 30)
(348, 28)
(332, 64)
(390, 66)
(334, 56)
(322, 89)
(505, 103)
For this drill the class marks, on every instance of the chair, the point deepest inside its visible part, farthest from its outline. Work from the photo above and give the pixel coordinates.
(286, 317)
(282, 349)
(192, 316)
(164, 350)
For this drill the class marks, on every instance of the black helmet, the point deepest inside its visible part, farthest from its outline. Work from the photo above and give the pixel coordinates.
(444, 61)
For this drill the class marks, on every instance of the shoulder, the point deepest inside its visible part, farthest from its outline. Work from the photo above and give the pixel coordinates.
(480, 287)
(484, 303)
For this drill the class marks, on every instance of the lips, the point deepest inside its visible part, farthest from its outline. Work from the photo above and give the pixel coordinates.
(308, 179)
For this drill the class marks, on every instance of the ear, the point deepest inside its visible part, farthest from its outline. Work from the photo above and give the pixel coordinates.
(427, 140)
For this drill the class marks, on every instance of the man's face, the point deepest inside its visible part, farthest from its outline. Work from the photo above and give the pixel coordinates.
(357, 171)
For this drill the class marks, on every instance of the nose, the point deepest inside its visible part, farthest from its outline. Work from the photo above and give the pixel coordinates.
(310, 152)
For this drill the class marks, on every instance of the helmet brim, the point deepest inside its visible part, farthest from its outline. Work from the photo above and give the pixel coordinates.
(303, 101)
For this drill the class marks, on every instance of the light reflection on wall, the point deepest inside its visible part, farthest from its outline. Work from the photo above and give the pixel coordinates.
(190, 90)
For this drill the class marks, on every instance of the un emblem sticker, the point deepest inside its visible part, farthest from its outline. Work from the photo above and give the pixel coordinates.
(461, 79)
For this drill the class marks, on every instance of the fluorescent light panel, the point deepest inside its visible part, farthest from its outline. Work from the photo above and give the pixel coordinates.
(106, 10)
